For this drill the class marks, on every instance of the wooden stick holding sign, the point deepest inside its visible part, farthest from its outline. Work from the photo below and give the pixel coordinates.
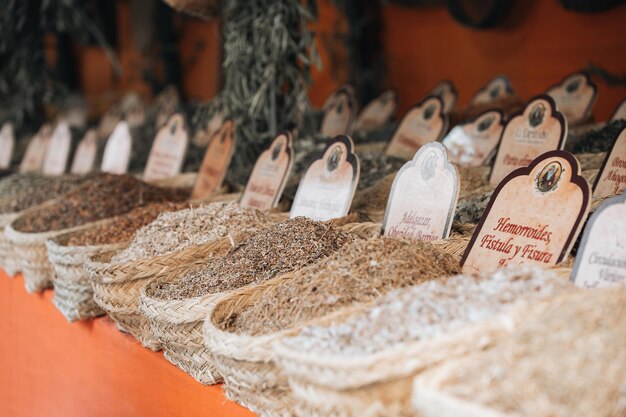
(116, 156)
(216, 161)
(424, 123)
(58, 151)
(574, 96)
(36, 150)
(328, 186)
(497, 88)
(533, 217)
(611, 179)
(269, 175)
(85, 155)
(168, 150)
(474, 143)
(7, 144)
(423, 196)
(447, 92)
(601, 257)
(537, 129)
(339, 116)
(378, 112)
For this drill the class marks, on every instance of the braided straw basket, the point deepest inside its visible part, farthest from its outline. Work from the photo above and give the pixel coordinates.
(117, 286)
(73, 291)
(8, 259)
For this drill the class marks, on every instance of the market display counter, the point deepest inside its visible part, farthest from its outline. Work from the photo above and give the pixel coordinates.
(51, 368)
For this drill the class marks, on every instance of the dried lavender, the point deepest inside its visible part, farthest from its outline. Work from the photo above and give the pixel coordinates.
(281, 248)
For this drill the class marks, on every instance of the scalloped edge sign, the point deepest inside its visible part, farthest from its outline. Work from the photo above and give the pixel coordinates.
(448, 93)
(574, 96)
(533, 217)
(327, 188)
(339, 115)
(7, 145)
(216, 161)
(499, 87)
(85, 155)
(168, 150)
(611, 179)
(378, 112)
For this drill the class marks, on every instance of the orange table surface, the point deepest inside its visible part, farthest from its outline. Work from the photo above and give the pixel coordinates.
(52, 368)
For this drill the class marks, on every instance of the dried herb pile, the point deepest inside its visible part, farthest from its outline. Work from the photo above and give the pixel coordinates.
(124, 227)
(471, 209)
(600, 140)
(280, 248)
(430, 309)
(21, 191)
(99, 198)
(358, 272)
(375, 166)
(568, 360)
(194, 226)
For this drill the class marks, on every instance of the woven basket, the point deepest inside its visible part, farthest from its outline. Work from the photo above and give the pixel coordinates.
(8, 260)
(73, 291)
(117, 286)
(29, 250)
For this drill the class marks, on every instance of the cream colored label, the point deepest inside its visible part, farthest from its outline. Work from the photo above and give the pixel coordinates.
(446, 91)
(58, 150)
(7, 144)
(620, 111)
(496, 89)
(611, 179)
(116, 155)
(422, 124)
(339, 116)
(472, 143)
(168, 150)
(378, 112)
(538, 129)
(85, 155)
(327, 188)
(36, 150)
(423, 196)
(574, 97)
(216, 161)
(269, 175)
(533, 217)
(601, 257)
(204, 135)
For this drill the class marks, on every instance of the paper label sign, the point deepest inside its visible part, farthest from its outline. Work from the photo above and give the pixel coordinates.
(471, 144)
(36, 150)
(331, 98)
(539, 128)
(86, 152)
(601, 257)
(108, 122)
(611, 178)
(423, 196)
(533, 217)
(496, 89)
(269, 175)
(339, 117)
(327, 188)
(204, 135)
(7, 144)
(446, 91)
(620, 111)
(58, 150)
(116, 155)
(378, 112)
(168, 150)
(422, 124)
(216, 161)
(574, 97)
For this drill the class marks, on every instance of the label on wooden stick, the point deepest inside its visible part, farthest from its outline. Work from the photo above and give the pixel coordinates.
(85, 155)
(269, 175)
(7, 144)
(117, 150)
(611, 179)
(339, 117)
(472, 144)
(36, 150)
(446, 91)
(574, 97)
(539, 128)
(378, 112)
(601, 257)
(533, 217)
(423, 196)
(216, 161)
(327, 188)
(168, 150)
(424, 123)
(58, 150)
(496, 89)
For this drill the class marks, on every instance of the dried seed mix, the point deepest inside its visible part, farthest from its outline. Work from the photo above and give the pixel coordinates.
(123, 227)
(99, 198)
(280, 248)
(430, 309)
(359, 272)
(194, 226)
